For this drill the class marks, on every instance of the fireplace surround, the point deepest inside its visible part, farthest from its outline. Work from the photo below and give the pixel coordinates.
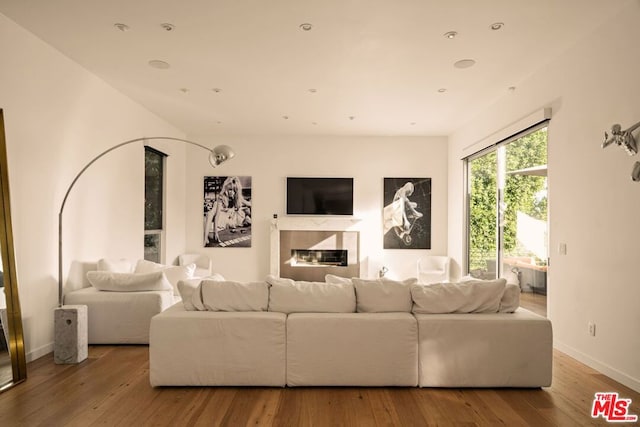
(308, 250)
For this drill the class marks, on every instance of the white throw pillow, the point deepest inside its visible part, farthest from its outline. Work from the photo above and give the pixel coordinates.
(128, 282)
(333, 279)
(383, 295)
(173, 273)
(474, 296)
(288, 296)
(116, 265)
(234, 296)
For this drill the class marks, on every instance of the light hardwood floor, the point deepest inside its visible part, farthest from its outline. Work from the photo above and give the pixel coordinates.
(534, 302)
(112, 388)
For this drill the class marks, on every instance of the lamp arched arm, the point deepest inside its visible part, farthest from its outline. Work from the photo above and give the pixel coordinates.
(214, 157)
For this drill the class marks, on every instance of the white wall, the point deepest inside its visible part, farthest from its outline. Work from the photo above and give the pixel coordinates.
(57, 117)
(594, 206)
(269, 160)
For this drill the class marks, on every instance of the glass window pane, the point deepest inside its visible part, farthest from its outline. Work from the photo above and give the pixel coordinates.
(483, 231)
(525, 231)
(152, 244)
(153, 189)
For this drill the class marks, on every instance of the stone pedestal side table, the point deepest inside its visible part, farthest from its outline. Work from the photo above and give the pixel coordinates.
(71, 344)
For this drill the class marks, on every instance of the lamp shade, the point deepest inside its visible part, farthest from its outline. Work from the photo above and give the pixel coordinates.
(220, 154)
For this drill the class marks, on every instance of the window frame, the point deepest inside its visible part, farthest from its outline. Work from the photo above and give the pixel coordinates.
(499, 148)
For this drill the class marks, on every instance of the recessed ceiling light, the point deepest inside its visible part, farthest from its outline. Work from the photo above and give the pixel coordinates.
(464, 63)
(285, 117)
(442, 90)
(216, 90)
(306, 26)
(412, 123)
(314, 123)
(161, 65)
(168, 27)
(313, 90)
(352, 117)
(122, 27)
(496, 26)
(451, 34)
(184, 90)
(511, 88)
(219, 122)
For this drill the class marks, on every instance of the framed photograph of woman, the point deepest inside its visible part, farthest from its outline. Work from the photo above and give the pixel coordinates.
(227, 211)
(407, 213)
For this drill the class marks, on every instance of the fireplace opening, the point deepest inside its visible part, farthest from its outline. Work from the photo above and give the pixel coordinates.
(319, 257)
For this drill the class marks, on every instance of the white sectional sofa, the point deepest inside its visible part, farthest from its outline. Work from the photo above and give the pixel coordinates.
(218, 348)
(353, 333)
(122, 296)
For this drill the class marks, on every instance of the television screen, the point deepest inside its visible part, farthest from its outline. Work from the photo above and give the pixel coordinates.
(319, 196)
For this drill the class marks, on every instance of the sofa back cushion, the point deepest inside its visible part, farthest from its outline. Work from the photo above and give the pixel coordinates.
(234, 296)
(474, 296)
(190, 294)
(333, 279)
(128, 282)
(122, 265)
(289, 296)
(383, 295)
(510, 298)
(173, 273)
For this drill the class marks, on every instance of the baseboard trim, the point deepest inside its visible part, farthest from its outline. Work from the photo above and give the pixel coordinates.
(39, 352)
(621, 377)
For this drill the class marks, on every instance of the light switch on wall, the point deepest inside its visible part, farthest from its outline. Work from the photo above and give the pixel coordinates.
(562, 248)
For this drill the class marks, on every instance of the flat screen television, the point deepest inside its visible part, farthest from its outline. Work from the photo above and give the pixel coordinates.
(319, 196)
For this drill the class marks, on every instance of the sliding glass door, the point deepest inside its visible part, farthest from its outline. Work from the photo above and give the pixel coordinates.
(507, 211)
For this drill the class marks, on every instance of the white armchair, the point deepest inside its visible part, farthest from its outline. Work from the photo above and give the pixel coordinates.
(202, 262)
(433, 269)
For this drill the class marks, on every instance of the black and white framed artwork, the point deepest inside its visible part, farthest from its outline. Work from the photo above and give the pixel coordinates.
(227, 211)
(407, 213)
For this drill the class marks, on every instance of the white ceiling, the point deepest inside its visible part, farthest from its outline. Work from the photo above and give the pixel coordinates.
(378, 61)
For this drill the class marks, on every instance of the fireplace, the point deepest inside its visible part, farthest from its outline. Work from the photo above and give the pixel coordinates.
(319, 257)
(311, 254)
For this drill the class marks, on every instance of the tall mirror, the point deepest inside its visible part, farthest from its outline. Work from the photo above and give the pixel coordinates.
(13, 367)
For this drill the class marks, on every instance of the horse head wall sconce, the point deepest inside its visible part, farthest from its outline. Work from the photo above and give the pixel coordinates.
(626, 140)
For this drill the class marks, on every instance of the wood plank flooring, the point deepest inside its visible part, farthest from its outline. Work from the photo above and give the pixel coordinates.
(534, 302)
(112, 388)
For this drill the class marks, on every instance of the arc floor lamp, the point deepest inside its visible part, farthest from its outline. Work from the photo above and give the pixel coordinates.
(217, 156)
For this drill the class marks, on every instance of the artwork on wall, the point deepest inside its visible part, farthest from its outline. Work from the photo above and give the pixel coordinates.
(407, 213)
(227, 211)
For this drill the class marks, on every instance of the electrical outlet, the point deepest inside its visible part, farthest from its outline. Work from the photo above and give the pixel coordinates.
(592, 329)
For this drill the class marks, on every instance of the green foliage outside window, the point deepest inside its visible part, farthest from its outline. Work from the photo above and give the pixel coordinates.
(153, 170)
(522, 193)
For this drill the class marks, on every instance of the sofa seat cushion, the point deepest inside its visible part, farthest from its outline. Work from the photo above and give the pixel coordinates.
(120, 317)
(485, 350)
(352, 349)
(208, 348)
(289, 296)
